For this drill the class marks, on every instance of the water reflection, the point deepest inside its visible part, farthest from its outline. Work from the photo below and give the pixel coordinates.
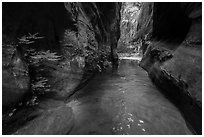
(141, 121)
(143, 129)
(124, 102)
(127, 104)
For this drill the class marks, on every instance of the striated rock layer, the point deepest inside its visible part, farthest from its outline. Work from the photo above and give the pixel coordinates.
(173, 58)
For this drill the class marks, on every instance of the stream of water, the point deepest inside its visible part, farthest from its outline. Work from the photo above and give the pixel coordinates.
(124, 102)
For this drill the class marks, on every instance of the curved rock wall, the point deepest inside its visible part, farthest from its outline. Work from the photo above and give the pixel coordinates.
(56, 41)
(173, 58)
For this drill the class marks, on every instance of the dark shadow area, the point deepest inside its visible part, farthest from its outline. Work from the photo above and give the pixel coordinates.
(170, 23)
(73, 81)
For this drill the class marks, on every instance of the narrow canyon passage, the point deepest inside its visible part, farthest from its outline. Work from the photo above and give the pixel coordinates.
(108, 68)
(124, 102)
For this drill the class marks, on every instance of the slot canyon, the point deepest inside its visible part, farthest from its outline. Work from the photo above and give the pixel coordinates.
(101, 68)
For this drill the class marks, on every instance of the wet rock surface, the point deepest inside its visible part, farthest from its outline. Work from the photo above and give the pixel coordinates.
(56, 121)
(51, 117)
(52, 50)
(180, 73)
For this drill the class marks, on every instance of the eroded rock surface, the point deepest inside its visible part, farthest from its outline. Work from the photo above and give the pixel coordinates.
(176, 36)
(58, 46)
